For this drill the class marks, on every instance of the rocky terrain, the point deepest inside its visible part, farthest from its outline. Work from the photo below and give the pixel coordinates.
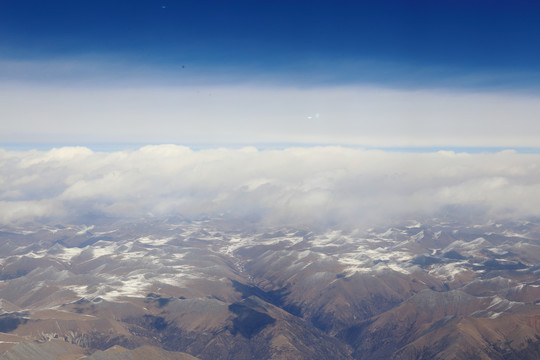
(209, 289)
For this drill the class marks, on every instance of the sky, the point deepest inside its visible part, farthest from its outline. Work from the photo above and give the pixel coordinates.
(315, 113)
(377, 74)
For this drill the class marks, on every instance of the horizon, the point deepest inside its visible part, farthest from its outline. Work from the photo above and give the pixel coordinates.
(115, 147)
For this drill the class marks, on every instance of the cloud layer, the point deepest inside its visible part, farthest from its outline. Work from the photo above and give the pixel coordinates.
(293, 186)
(244, 114)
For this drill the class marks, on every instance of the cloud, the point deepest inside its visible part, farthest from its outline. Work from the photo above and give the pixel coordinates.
(254, 114)
(293, 186)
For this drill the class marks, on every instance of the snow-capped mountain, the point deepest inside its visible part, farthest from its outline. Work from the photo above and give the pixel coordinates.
(215, 290)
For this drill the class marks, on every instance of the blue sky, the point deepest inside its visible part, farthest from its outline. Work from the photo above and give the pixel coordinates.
(340, 72)
(445, 37)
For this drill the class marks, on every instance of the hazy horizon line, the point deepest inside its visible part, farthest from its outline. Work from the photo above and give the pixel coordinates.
(132, 146)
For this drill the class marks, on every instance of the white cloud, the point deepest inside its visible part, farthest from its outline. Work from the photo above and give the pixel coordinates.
(243, 114)
(305, 185)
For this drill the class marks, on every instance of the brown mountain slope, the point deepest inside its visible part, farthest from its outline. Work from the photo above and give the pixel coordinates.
(51, 350)
(141, 353)
(449, 325)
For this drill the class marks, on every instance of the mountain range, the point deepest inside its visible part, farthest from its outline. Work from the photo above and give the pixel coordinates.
(211, 289)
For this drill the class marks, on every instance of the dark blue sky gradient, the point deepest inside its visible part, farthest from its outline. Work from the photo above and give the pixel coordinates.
(495, 40)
